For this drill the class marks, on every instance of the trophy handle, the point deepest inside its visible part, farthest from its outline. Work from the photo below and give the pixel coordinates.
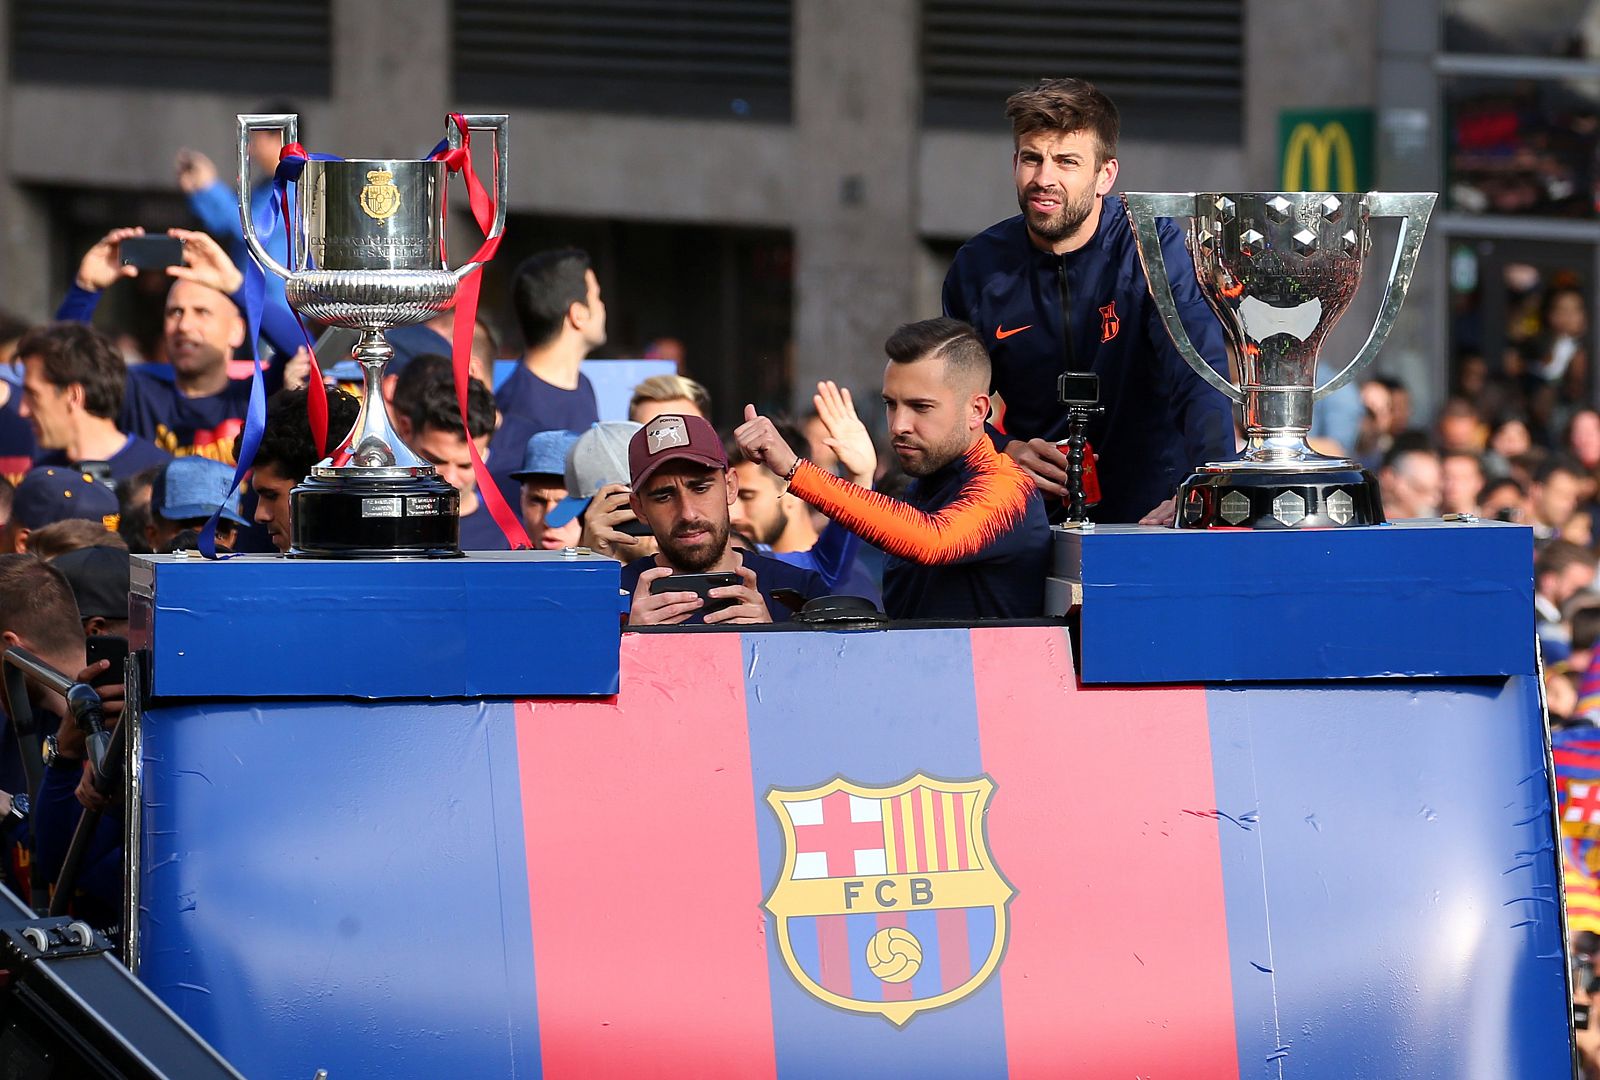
(1143, 209)
(289, 125)
(1413, 208)
(498, 125)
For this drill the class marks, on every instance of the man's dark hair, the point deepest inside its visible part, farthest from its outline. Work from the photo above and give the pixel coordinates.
(436, 406)
(1066, 105)
(12, 327)
(1493, 487)
(37, 604)
(286, 442)
(74, 352)
(1586, 625)
(965, 358)
(546, 286)
(1468, 455)
(787, 430)
(1557, 555)
(422, 370)
(1560, 463)
(133, 504)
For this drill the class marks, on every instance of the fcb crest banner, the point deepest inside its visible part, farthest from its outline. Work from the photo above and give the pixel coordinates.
(889, 901)
(918, 853)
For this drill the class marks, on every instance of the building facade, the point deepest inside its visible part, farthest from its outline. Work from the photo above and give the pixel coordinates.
(775, 183)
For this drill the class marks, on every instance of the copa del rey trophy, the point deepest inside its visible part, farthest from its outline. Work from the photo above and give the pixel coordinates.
(1279, 269)
(367, 253)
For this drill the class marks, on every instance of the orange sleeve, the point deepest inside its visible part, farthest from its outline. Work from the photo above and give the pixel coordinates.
(994, 500)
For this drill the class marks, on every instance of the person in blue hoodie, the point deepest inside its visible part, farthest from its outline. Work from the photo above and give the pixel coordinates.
(1059, 288)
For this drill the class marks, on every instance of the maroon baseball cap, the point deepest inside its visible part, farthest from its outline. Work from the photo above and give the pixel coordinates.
(670, 437)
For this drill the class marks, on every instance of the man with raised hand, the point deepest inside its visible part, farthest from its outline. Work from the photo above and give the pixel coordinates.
(971, 540)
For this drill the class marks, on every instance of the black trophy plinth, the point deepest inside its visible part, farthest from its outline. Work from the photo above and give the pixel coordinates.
(1332, 498)
(381, 518)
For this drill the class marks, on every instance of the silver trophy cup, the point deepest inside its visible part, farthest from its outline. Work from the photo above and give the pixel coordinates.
(367, 244)
(1279, 269)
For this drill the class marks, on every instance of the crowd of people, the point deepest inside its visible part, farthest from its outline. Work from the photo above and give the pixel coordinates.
(944, 514)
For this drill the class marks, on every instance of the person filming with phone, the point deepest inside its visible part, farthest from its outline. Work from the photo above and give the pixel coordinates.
(682, 489)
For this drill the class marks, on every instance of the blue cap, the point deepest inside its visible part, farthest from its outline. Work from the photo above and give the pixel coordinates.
(546, 455)
(56, 493)
(191, 488)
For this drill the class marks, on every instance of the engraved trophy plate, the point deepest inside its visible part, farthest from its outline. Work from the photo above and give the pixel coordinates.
(369, 254)
(1279, 269)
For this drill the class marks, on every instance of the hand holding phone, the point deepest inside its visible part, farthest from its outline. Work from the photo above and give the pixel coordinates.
(151, 252)
(701, 585)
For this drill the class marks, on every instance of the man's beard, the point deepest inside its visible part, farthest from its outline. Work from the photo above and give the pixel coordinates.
(932, 458)
(198, 360)
(697, 560)
(1069, 216)
(772, 531)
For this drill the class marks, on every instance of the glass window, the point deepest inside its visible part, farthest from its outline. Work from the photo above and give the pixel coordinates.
(1522, 146)
(1542, 28)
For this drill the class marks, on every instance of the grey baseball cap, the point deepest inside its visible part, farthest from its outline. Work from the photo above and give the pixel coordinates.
(598, 458)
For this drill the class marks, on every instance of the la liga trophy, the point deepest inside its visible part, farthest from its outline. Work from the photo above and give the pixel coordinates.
(366, 243)
(1279, 269)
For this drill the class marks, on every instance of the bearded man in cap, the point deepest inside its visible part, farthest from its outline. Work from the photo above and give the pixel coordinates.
(682, 489)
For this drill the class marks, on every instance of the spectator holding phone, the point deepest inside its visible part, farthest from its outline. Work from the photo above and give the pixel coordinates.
(682, 489)
(193, 408)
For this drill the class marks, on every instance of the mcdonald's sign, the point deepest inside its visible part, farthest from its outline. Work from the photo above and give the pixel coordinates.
(1325, 149)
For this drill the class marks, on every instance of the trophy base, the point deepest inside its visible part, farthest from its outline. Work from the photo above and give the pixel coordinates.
(1228, 496)
(380, 518)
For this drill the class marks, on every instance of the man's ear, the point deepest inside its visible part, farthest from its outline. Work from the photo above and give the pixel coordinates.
(578, 315)
(1107, 178)
(236, 337)
(94, 626)
(732, 479)
(978, 411)
(9, 639)
(20, 540)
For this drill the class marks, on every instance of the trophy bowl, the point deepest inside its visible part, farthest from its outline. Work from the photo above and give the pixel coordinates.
(1278, 269)
(367, 252)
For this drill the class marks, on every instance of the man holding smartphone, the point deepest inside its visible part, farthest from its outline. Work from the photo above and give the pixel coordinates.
(682, 489)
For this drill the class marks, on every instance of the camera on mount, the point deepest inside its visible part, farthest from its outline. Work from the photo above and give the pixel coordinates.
(1079, 389)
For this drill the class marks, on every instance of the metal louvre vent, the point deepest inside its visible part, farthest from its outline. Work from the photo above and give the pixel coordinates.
(259, 46)
(1174, 67)
(664, 57)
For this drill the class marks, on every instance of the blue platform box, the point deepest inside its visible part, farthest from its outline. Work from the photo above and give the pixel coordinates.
(1427, 598)
(491, 624)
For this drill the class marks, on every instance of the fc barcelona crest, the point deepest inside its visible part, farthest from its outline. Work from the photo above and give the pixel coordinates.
(889, 902)
(380, 198)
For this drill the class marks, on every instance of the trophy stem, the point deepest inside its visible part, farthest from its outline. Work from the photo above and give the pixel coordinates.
(372, 445)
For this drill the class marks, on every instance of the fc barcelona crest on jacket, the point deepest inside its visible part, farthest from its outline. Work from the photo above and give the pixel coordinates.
(889, 902)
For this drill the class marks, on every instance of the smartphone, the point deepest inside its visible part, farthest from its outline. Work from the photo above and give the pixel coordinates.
(636, 528)
(701, 585)
(113, 647)
(151, 252)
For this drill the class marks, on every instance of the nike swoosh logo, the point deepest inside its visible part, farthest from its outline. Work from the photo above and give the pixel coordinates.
(1001, 333)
